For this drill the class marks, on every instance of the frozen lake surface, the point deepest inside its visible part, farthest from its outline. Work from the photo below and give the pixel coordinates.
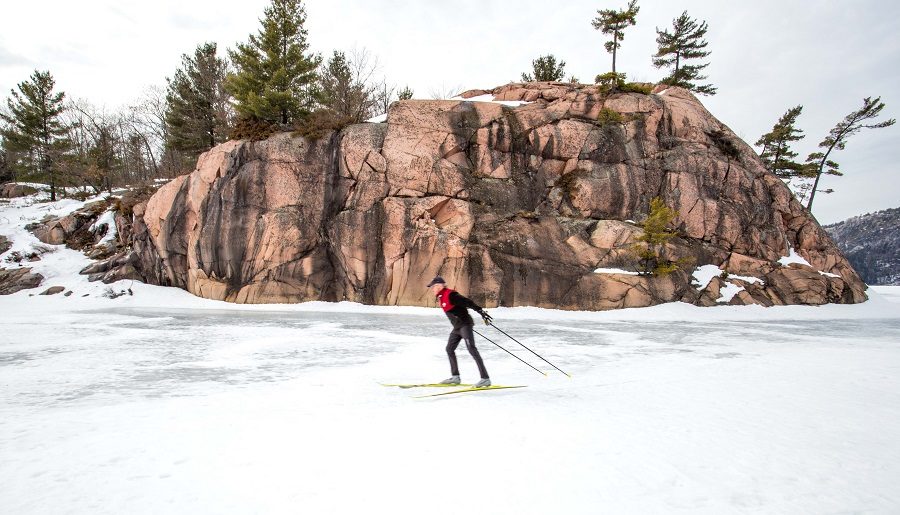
(161, 402)
(128, 407)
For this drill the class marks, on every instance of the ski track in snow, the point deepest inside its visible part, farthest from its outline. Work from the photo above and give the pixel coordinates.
(161, 402)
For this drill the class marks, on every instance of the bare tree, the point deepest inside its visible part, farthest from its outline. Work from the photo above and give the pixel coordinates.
(353, 87)
(444, 91)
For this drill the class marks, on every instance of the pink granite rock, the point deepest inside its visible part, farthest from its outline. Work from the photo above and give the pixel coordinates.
(513, 205)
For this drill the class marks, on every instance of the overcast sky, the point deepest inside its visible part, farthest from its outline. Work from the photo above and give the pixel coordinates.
(767, 56)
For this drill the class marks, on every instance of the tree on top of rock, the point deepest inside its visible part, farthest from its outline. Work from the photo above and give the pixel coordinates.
(348, 86)
(198, 114)
(275, 77)
(34, 131)
(546, 69)
(614, 22)
(683, 43)
(405, 94)
(837, 140)
(776, 146)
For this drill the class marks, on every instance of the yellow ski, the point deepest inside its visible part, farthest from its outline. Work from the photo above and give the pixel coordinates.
(468, 390)
(425, 385)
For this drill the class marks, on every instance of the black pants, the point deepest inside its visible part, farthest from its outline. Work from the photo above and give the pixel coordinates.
(459, 333)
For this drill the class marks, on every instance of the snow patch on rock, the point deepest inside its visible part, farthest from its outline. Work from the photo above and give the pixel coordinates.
(793, 257)
(109, 220)
(728, 292)
(614, 271)
(489, 97)
(704, 274)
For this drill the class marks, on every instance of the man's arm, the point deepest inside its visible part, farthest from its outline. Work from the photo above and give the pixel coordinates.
(458, 299)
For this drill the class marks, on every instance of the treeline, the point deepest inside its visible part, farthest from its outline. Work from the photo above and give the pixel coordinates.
(269, 83)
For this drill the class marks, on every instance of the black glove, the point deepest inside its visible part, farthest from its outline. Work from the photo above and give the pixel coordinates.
(487, 318)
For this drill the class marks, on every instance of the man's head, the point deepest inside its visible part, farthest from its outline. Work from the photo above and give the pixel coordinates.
(437, 284)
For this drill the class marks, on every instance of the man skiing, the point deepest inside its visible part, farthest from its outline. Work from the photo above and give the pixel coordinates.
(457, 309)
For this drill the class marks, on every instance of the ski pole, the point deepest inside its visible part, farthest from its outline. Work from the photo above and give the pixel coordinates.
(529, 350)
(508, 352)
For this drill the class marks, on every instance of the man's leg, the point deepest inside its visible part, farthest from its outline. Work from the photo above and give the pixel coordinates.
(466, 332)
(452, 343)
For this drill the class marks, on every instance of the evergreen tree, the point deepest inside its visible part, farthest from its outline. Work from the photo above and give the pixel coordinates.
(198, 112)
(683, 43)
(545, 69)
(776, 146)
(652, 242)
(854, 122)
(33, 128)
(610, 21)
(344, 91)
(405, 94)
(275, 77)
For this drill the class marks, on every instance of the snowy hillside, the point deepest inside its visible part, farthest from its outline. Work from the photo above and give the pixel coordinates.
(161, 402)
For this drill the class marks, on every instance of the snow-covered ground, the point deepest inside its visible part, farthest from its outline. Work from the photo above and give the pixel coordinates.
(161, 402)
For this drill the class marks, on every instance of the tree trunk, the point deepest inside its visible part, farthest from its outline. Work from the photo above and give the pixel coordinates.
(812, 194)
(615, 44)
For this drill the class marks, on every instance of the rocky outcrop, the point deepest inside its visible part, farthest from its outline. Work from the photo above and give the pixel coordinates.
(74, 230)
(513, 205)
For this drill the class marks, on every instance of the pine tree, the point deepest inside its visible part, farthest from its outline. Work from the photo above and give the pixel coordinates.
(275, 76)
(405, 94)
(198, 113)
(545, 69)
(837, 140)
(652, 242)
(683, 43)
(610, 21)
(344, 91)
(776, 146)
(34, 130)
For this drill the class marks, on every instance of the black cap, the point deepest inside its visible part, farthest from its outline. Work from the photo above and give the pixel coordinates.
(437, 280)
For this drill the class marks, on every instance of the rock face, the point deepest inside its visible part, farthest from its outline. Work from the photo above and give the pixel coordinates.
(512, 205)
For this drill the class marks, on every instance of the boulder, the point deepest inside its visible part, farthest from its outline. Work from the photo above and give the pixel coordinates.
(18, 279)
(12, 190)
(512, 205)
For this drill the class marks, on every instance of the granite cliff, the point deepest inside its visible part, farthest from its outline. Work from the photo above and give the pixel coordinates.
(513, 204)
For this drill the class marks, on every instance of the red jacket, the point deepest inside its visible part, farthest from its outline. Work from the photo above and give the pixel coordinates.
(455, 306)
